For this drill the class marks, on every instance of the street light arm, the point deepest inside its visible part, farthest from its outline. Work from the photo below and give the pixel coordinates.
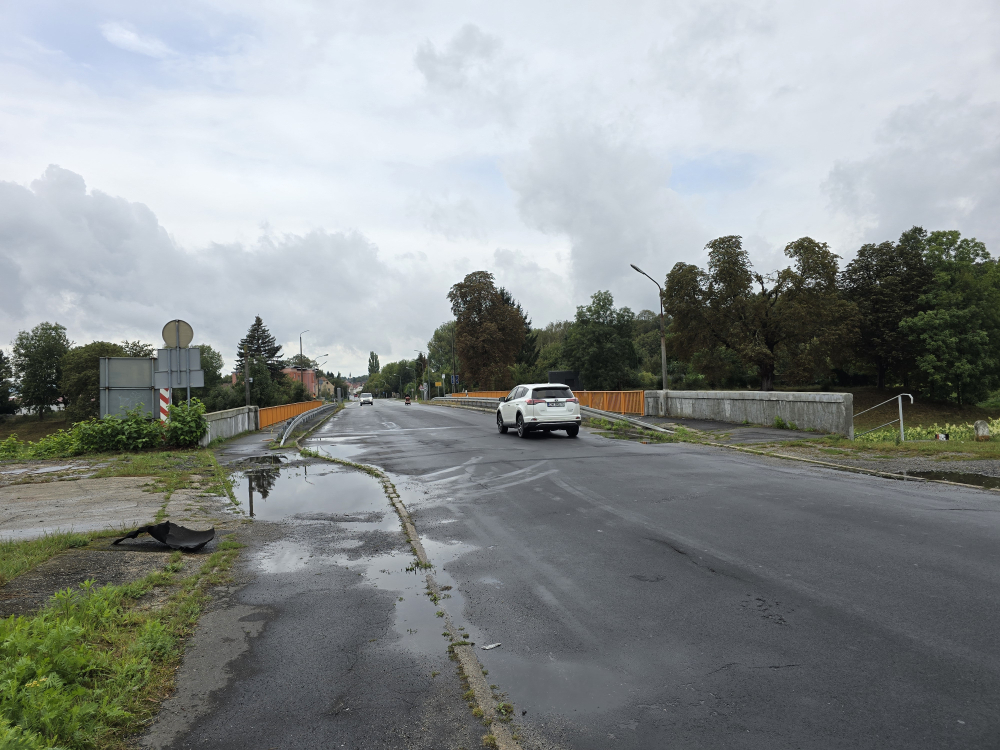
(646, 275)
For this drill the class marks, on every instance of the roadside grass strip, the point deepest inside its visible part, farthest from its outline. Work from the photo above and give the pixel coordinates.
(20, 556)
(91, 668)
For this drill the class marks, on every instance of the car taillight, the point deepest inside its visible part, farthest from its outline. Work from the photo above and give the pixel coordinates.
(572, 400)
(535, 401)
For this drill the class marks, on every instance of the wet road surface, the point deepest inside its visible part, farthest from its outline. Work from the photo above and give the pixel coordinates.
(327, 638)
(678, 595)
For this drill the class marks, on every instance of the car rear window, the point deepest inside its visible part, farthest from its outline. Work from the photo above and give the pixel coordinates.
(552, 393)
(366, 395)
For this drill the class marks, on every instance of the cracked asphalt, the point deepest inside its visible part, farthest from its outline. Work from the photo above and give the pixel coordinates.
(679, 595)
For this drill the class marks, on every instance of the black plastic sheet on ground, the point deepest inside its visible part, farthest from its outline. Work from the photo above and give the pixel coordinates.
(174, 536)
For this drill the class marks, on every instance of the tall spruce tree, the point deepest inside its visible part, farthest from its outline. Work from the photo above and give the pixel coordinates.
(373, 365)
(261, 347)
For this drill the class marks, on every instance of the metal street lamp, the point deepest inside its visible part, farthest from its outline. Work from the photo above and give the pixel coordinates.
(663, 330)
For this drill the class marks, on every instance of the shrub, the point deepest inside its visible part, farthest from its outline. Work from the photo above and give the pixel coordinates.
(187, 424)
(131, 432)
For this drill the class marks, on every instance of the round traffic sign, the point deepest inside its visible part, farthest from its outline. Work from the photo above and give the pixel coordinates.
(177, 333)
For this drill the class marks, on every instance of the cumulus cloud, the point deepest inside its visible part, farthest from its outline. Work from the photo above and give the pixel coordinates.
(937, 164)
(125, 37)
(612, 201)
(105, 268)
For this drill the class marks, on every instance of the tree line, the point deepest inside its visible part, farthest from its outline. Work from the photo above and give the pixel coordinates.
(45, 369)
(921, 313)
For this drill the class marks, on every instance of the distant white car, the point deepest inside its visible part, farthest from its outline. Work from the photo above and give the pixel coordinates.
(366, 398)
(539, 406)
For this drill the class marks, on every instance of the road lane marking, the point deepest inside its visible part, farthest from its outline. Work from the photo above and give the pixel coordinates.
(473, 460)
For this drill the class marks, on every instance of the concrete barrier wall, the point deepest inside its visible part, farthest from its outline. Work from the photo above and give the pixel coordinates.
(223, 424)
(826, 412)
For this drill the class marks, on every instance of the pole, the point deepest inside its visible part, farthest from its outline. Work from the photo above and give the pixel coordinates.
(663, 347)
(663, 329)
(246, 372)
(902, 435)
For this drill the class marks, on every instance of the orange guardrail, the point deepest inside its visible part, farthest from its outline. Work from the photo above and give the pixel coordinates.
(619, 402)
(270, 415)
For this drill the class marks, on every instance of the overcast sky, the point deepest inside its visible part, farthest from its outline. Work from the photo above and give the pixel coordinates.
(338, 166)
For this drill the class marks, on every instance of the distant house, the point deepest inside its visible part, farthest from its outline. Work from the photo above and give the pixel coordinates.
(304, 376)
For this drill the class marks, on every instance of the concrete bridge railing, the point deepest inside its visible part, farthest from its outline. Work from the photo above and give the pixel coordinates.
(224, 424)
(825, 412)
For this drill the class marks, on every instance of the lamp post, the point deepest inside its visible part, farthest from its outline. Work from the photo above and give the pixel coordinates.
(663, 330)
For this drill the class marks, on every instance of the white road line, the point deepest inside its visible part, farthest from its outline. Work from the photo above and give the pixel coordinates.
(523, 481)
(473, 460)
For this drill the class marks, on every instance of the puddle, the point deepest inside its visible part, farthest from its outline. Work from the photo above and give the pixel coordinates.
(309, 492)
(335, 447)
(979, 480)
(416, 622)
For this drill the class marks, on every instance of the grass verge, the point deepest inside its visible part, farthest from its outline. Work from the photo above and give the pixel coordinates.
(91, 669)
(836, 445)
(30, 427)
(20, 556)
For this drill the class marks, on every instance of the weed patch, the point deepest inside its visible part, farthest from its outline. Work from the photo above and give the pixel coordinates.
(90, 669)
(17, 557)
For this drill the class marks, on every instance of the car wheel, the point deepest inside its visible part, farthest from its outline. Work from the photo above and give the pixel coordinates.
(522, 428)
(572, 431)
(501, 427)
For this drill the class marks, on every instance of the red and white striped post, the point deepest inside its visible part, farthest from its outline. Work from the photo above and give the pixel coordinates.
(164, 404)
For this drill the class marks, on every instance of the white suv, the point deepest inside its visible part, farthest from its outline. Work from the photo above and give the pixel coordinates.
(366, 398)
(539, 406)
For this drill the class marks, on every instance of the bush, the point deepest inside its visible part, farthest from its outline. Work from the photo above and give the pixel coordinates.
(132, 432)
(187, 424)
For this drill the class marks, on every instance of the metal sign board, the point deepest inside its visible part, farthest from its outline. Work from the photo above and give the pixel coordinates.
(127, 382)
(178, 368)
(178, 333)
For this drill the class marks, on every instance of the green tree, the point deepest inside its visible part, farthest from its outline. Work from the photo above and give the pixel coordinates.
(441, 352)
(260, 345)
(794, 317)
(373, 365)
(264, 391)
(81, 378)
(7, 404)
(885, 282)
(137, 349)
(599, 344)
(489, 331)
(37, 365)
(212, 364)
(957, 330)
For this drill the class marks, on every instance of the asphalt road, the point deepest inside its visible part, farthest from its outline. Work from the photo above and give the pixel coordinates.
(652, 596)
